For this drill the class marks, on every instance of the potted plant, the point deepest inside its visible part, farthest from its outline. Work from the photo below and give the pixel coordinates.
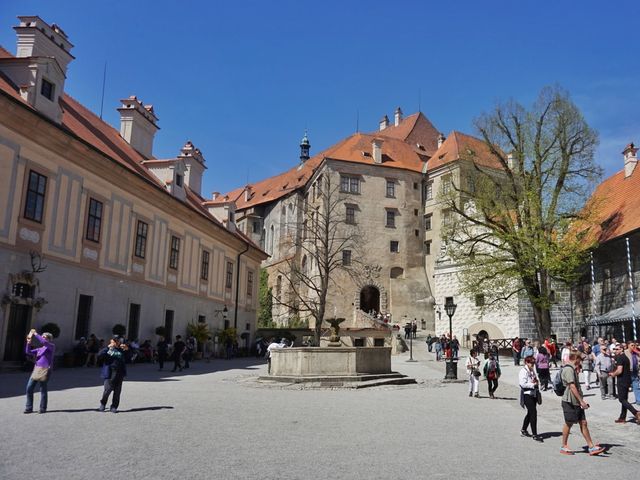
(52, 328)
(119, 330)
(199, 331)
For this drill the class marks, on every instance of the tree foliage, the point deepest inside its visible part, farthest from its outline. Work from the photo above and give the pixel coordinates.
(265, 299)
(511, 227)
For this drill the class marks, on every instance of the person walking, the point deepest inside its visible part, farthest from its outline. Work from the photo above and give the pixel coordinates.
(623, 374)
(516, 346)
(565, 352)
(574, 406)
(438, 348)
(41, 370)
(473, 370)
(455, 347)
(162, 347)
(527, 350)
(492, 373)
(178, 350)
(588, 360)
(552, 348)
(603, 365)
(92, 351)
(529, 397)
(429, 343)
(113, 371)
(208, 349)
(634, 357)
(542, 367)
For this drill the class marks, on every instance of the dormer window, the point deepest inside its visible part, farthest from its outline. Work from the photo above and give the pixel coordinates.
(47, 89)
(179, 180)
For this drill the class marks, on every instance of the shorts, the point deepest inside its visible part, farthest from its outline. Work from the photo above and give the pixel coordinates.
(572, 413)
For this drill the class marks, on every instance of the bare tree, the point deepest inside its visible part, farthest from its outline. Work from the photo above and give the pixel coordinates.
(320, 240)
(514, 210)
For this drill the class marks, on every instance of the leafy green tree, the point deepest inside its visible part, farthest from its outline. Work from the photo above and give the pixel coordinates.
(265, 298)
(511, 226)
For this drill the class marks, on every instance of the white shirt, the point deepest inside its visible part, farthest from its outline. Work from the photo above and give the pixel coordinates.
(472, 362)
(525, 380)
(274, 346)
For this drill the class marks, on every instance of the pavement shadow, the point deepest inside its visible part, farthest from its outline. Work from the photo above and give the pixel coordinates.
(139, 409)
(13, 384)
(547, 435)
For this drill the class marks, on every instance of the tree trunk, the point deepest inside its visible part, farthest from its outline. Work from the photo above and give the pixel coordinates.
(542, 319)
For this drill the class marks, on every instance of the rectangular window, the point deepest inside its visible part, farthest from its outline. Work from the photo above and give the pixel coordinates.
(427, 247)
(346, 258)
(415, 212)
(390, 219)
(204, 268)
(391, 189)
(428, 190)
(133, 329)
(94, 221)
(202, 319)
(141, 239)
(427, 222)
(256, 226)
(446, 218)
(480, 300)
(34, 204)
(415, 185)
(174, 256)
(47, 89)
(394, 246)
(179, 180)
(446, 184)
(168, 325)
(351, 215)
(229, 275)
(83, 322)
(349, 184)
(249, 284)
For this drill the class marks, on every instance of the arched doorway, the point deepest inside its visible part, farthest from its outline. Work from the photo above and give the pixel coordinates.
(370, 299)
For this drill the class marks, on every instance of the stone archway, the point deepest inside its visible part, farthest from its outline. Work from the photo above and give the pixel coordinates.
(370, 298)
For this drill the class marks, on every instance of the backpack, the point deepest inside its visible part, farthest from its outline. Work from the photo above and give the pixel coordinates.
(558, 385)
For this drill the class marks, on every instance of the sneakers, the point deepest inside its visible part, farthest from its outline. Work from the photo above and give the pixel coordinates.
(596, 450)
(566, 451)
(538, 438)
(101, 408)
(113, 410)
(524, 433)
(42, 412)
(27, 411)
(477, 395)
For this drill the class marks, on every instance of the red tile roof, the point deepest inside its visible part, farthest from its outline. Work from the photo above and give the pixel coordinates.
(615, 206)
(414, 129)
(85, 125)
(462, 146)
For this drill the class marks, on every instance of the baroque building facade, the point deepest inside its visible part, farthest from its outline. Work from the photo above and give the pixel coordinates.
(96, 231)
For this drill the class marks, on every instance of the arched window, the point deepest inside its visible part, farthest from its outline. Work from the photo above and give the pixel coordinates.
(271, 235)
(278, 287)
(283, 221)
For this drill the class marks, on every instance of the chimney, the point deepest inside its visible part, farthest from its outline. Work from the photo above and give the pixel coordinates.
(138, 124)
(38, 39)
(194, 161)
(248, 193)
(384, 123)
(40, 65)
(215, 195)
(441, 139)
(376, 147)
(397, 117)
(630, 159)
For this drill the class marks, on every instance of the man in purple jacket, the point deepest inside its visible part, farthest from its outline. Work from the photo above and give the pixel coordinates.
(43, 359)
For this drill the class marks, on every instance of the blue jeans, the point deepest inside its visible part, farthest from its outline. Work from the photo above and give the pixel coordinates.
(31, 386)
(635, 385)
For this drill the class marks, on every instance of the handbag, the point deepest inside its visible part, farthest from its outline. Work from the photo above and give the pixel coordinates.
(539, 396)
(476, 373)
(40, 374)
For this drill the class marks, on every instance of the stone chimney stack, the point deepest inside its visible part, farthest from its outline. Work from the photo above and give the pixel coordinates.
(38, 39)
(376, 147)
(630, 159)
(397, 117)
(138, 125)
(194, 161)
(39, 68)
(384, 123)
(248, 192)
(441, 139)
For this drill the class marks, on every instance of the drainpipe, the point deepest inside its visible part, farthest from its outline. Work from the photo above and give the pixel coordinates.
(235, 308)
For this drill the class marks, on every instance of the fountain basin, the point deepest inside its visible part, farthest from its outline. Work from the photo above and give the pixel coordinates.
(330, 361)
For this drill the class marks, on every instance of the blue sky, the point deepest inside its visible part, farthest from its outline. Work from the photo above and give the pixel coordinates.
(243, 79)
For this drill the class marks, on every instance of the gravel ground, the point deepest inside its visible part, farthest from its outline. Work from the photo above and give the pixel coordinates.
(218, 422)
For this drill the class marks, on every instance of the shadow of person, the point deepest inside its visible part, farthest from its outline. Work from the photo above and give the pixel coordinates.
(546, 435)
(138, 409)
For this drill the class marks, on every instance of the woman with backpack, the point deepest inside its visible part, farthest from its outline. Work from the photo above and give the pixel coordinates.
(492, 374)
(529, 398)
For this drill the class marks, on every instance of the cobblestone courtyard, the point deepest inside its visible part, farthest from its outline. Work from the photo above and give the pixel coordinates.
(217, 422)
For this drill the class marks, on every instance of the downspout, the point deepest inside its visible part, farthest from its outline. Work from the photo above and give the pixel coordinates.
(235, 308)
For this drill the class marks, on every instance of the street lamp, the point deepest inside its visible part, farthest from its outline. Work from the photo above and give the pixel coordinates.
(452, 366)
(410, 341)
